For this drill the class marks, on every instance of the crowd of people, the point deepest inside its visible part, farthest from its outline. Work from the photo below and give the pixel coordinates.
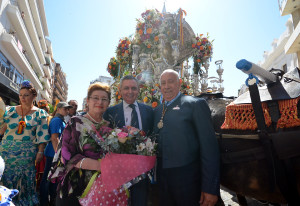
(187, 167)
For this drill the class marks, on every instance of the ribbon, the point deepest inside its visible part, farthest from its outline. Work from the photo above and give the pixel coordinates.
(181, 70)
(21, 127)
(88, 187)
(119, 72)
(181, 12)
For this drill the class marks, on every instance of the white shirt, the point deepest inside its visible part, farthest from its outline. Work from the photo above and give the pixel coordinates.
(127, 114)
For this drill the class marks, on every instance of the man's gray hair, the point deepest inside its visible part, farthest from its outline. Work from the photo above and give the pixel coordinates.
(169, 71)
(128, 77)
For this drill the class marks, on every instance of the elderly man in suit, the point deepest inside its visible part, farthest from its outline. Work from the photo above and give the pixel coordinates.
(135, 114)
(188, 155)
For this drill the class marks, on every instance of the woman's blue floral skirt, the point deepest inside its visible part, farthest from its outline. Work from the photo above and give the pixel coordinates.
(19, 173)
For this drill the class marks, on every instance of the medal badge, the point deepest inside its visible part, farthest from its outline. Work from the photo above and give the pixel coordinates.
(160, 124)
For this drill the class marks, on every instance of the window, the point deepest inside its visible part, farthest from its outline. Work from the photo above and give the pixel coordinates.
(9, 70)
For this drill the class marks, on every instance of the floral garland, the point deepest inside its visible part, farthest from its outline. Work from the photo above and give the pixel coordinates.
(147, 31)
(202, 51)
(124, 51)
(116, 96)
(150, 95)
(113, 67)
(185, 88)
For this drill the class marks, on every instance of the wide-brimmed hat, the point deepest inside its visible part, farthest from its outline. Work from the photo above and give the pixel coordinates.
(63, 105)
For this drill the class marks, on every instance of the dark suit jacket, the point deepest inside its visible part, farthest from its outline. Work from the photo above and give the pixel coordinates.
(115, 115)
(188, 136)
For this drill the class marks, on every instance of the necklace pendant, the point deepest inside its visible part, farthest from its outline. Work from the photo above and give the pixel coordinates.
(160, 124)
(21, 127)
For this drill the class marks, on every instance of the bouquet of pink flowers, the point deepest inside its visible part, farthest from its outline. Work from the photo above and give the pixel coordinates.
(130, 155)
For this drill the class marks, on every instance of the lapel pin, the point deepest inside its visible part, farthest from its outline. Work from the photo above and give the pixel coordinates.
(176, 108)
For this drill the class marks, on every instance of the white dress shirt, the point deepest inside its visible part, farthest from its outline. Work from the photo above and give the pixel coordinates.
(127, 114)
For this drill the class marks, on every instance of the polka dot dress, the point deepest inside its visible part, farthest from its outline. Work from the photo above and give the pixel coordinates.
(19, 152)
(36, 129)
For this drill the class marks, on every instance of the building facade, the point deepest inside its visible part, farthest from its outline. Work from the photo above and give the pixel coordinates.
(25, 52)
(276, 57)
(285, 51)
(60, 87)
(102, 79)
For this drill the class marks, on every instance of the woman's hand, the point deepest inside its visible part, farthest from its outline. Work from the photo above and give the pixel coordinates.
(39, 157)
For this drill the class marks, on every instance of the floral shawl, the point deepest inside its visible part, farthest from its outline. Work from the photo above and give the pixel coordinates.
(78, 141)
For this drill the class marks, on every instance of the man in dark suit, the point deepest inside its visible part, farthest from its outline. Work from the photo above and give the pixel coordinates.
(188, 155)
(138, 115)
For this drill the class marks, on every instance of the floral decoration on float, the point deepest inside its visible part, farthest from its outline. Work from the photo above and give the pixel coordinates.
(147, 31)
(124, 51)
(202, 51)
(113, 67)
(150, 95)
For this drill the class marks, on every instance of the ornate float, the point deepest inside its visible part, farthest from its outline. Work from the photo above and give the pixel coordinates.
(165, 41)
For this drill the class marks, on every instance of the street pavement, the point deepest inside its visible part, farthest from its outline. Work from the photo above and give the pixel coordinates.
(230, 199)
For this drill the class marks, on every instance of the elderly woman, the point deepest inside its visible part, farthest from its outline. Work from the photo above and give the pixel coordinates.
(80, 149)
(23, 144)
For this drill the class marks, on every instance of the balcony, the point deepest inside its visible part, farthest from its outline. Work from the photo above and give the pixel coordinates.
(58, 86)
(16, 20)
(49, 47)
(28, 19)
(56, 92)
(11, 46)
(46, 95)
(46, 83)
(288, 6)
(38, 23)
(293, 44)
(43, 16)
(47, 71)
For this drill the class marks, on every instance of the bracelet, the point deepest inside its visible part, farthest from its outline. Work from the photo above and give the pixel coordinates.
(41, 152)
(81, 163)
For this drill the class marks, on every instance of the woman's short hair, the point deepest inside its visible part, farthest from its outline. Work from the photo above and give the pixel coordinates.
(99, 86)
(26, 84)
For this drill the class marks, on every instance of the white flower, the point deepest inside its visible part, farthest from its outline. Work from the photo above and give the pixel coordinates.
(118, 131)
(110, 136)
(140, 147)
(149, 145)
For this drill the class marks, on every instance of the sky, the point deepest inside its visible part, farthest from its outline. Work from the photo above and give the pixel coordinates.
(85, 34)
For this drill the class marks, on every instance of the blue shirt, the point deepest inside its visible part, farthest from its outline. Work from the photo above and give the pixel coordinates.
(170, 102)
(57, 125)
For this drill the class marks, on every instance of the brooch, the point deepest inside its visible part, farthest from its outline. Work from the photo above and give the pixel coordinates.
(176, 108)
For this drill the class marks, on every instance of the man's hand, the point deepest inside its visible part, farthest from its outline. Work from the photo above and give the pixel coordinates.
(208, 199)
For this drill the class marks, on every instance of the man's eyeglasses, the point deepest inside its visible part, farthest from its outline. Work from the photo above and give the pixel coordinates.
(95, 99)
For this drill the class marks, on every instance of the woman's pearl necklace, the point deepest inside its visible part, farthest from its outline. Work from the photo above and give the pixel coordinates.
(92, 118)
